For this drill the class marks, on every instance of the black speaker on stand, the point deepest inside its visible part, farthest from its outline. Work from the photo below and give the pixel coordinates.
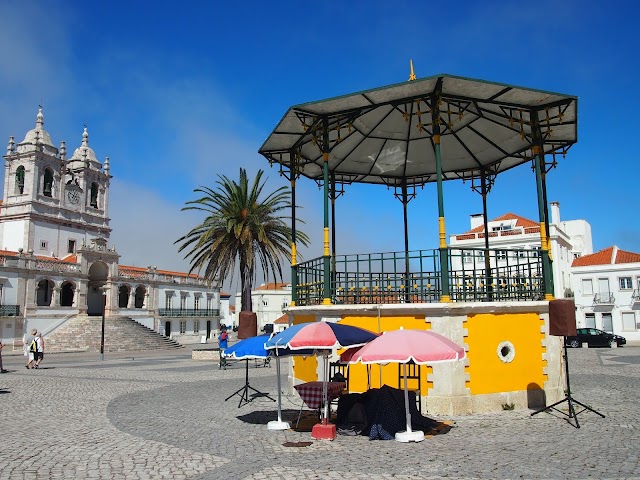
(562, 322)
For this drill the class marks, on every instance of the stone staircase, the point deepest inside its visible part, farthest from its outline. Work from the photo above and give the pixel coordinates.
(121, 334)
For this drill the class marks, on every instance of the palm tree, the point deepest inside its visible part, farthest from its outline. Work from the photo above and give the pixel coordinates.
(240, 227)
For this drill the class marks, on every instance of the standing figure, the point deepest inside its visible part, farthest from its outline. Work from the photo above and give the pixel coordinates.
(39, 354)
(29, 347)
(223, 338)
(2, 370)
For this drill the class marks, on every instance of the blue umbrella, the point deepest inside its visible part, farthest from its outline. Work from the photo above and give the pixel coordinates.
(254, 348)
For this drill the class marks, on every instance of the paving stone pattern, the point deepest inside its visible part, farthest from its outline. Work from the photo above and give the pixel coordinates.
(163, 415)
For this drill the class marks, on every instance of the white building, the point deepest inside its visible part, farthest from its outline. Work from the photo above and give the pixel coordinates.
(607, 291)
(55, 259)
(269, 302)
(569, 240)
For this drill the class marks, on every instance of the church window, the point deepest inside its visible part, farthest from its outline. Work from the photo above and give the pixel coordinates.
(196, 302)
(196, 326)
(183, 326)
(20, 180)
(94, 195)
(44, 291)
(71, 246)
(47, 184)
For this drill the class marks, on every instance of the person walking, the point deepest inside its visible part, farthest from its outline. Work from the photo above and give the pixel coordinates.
(39, 353)
(223, 338)
(29, 348)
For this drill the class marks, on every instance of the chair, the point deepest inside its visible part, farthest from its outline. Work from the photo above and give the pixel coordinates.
(342, 369)
(414, 381)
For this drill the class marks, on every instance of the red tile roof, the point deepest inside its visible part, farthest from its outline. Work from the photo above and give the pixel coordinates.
(283, 320)
(520, 222)
(273, 286)
(609, 256)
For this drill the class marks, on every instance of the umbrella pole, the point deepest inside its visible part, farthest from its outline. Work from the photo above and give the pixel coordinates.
(325, 393)
(409, 435)
(278, 424)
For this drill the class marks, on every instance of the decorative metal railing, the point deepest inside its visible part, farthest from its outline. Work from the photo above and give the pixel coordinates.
(188, 312)
(475, 275)
(603, 298)
(9, 310)
(635, 297)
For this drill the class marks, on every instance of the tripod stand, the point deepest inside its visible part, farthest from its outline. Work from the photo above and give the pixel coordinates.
(244, 391)
(568, 398)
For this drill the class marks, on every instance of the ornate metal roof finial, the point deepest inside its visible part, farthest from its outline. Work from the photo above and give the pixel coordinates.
(39, 118)
(412, 75)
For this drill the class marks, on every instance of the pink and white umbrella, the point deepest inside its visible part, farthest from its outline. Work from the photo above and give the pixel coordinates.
(405, 346)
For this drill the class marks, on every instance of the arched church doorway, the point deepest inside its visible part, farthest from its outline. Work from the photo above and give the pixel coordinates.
(96, 294)
(44, 290)
(66, 294)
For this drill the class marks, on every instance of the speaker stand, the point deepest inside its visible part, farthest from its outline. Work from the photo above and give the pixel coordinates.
(568, 398)
(244, 391)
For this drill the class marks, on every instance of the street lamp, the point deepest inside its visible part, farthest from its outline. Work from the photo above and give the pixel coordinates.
(104, 308)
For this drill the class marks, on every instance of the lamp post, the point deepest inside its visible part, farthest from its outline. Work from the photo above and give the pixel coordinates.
(104, 308)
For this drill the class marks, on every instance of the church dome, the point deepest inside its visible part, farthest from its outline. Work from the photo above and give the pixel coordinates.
(84, 152)
(38, 136)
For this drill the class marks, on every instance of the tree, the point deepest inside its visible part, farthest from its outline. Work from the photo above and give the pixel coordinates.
(240, 227)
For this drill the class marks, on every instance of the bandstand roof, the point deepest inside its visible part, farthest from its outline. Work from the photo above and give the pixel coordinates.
(385, 135)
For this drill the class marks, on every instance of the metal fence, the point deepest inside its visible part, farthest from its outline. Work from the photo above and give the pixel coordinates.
(188, 312)
(475, 275)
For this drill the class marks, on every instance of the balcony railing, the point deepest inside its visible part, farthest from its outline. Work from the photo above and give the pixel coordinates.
(635, 297)
(415, 277)
(9, 310)
(188, 312)
(604, 298)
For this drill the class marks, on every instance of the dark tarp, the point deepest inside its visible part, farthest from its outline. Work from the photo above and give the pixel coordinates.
(385, 413)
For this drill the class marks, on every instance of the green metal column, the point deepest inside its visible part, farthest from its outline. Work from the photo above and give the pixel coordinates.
(326, 300)
(487, 259)
(405, 203)
(333, 235)
(544, 238)
(294, 253)
(444, 251)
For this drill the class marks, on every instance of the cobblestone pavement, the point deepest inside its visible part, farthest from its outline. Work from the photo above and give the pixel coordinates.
(163, 415)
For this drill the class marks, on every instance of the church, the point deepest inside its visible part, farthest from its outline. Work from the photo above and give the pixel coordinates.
(60, 275)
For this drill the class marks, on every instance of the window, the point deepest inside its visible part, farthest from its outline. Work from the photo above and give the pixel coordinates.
(501, 254)
(520, 253)
(43, 244)
(467, 257)
(168, 298)
(265, 302)
(576, 255)
(628, 321)
(196, 326)
(587, 286)
(71, 246)
(196, 302)
(183, 302)
(20, 180)
(625, 283)
(590, 320)
(537, 252)
(183, 326)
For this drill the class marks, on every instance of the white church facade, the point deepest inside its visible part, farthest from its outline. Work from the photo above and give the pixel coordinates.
(56, 263)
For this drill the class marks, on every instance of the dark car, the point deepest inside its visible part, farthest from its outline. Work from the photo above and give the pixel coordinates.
(594, 338)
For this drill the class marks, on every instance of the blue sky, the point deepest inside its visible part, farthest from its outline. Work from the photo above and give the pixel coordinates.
(176, 94)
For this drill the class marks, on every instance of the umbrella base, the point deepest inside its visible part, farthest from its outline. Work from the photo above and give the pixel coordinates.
(405, 437)
(278, 425)
(323, 432)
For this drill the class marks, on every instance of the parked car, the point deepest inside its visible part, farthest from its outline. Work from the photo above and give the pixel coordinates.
(594, 338)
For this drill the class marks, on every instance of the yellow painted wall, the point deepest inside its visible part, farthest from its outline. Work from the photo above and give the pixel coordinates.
(362, 378)
(487, 372)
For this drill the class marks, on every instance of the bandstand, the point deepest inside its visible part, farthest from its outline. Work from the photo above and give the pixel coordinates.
(492, 301)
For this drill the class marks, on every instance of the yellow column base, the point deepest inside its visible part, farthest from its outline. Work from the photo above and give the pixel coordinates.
(549, 296)
(445, 299)
(326, 301)
(292, 304)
